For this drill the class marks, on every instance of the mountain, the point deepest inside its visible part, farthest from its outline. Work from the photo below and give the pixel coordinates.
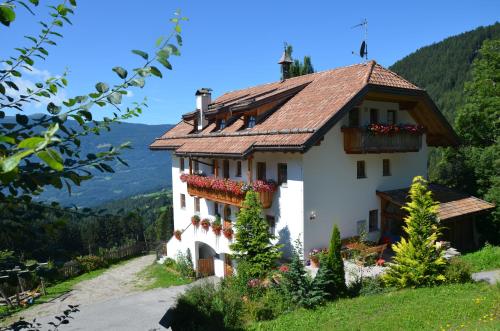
(148, 171)
(443, 67)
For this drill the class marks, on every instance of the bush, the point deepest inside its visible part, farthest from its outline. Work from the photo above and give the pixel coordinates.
(184, 264)
(208, 307)
(372, 286)
(170, 263)
(458, 271)
(488, 258)
(91, 262)
(269, 306)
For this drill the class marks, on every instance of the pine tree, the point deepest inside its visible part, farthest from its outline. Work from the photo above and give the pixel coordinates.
(418, 260)
(253, 239)
(335, 266)
(298, 68)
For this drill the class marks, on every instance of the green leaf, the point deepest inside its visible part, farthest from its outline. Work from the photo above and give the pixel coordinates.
(53, 109)
(142, 54)
(155, 71)
(102, 87)
(72, 2)
(31, 143)
(53, 88)
(115, 98)
(159, 41)
(86, 114)
(138, 82)
(7, 139)
(106, 167)
(2, 89)
(35, 2)
(22, 119)
(120, 72)
(7, 14)
(165, 63)
(10, 163)
(179, 39)
(52, 159)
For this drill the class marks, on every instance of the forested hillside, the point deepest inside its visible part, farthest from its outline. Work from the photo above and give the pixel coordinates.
(443, 67)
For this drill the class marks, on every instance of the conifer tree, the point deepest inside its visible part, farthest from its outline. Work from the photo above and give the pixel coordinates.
(418, 260)
(335, 265)
(253, 239)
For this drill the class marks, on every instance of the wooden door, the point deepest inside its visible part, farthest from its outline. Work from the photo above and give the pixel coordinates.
(228, 265)
(206, 267)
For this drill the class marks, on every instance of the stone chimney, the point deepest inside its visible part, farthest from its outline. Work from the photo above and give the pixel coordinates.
(203, 99)
(285, 62)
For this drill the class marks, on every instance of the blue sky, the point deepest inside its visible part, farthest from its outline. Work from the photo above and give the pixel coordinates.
(230, 45)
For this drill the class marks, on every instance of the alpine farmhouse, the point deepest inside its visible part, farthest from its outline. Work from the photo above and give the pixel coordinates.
(339, 146)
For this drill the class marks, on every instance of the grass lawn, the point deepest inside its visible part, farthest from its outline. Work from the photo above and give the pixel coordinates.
(474, 306)
(157, 275)
(488, 258)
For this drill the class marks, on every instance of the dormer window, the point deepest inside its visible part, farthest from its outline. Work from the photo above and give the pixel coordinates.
(251, 121)
(222, 124)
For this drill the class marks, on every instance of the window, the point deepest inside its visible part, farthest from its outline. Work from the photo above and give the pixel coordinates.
(391, 117)
(282, 173)
(216, 208)
(373, 116)
(261, 171)
(354, 117)
(360, 168)
(196, 205)
(251, 121)
(271, 222)
(181, 164)
(222, 124)
(373, 220)
(238, 169)
(214, 165)
(225, 168)
(386, 167)
(183, 200)
(196, 166)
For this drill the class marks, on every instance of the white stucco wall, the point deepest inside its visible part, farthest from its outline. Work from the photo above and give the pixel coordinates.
(334, 193)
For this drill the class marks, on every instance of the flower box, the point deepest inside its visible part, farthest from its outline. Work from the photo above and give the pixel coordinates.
(178, 234)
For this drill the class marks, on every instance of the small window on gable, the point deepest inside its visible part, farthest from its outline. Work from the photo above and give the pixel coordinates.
(373, 116)
(183, 200)
(251, 121)
(373, 220)
(238, 169)
(386, 167)
(360, 169)
(261, 171)
(222, 124)
(196, 205)
(282, 173)
(391, 117)
(181, 164)
(354, 117)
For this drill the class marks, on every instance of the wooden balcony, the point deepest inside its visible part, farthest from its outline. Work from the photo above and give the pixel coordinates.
(266, 198)
(359, 141)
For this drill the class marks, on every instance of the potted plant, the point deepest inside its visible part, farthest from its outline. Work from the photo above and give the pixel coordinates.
(205, 224)
(217, 226)
(228, 233)
(178, 234)
(195, 220)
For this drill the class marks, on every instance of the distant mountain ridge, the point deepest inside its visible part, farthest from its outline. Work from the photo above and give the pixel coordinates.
(148, 171)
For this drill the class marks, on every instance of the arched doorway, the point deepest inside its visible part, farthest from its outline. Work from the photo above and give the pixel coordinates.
(205, 265)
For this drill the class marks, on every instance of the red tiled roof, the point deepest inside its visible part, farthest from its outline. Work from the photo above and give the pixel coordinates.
(319, 97)
(451, 203)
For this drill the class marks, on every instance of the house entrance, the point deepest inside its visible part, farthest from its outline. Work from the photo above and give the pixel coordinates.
(205, 265)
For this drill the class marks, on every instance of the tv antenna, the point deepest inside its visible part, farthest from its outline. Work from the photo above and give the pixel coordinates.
(363, 49)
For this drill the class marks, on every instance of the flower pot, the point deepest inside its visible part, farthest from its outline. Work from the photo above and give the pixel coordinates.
(315, 262)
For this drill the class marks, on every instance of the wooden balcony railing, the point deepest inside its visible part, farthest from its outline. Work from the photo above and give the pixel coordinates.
(266, 198)
(359, 140)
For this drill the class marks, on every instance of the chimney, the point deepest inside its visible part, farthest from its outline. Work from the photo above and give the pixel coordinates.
(203, 99)
(285, 63)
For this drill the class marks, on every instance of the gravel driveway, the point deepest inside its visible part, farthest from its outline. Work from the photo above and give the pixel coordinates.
(112, 301)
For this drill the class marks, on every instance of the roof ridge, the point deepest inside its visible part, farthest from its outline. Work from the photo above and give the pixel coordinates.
(372, 64)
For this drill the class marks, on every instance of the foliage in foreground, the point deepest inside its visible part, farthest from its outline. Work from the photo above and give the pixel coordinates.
(472, 306)
(335, 266)
(252, 242)
(488, 258)
(418, 260)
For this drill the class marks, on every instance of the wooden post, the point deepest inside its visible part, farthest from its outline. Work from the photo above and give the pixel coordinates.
(216, 168)
(250, 169)
(190, 166)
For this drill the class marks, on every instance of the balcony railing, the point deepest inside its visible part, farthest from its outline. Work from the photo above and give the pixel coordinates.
(360, 140)
(266, 198)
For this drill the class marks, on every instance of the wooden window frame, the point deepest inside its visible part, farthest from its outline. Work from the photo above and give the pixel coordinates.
(282, 174)
(361, 169)
(182, 166)
(183, 201)
(238, 168)
(386, 167)
(374, 116)
(391, 117)
(354, 120)
(373, 220)
(261, 171)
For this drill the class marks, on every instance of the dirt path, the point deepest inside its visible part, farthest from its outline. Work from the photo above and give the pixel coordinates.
(117, 282)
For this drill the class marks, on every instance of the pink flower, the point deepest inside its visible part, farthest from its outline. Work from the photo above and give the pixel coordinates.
(284, 268)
